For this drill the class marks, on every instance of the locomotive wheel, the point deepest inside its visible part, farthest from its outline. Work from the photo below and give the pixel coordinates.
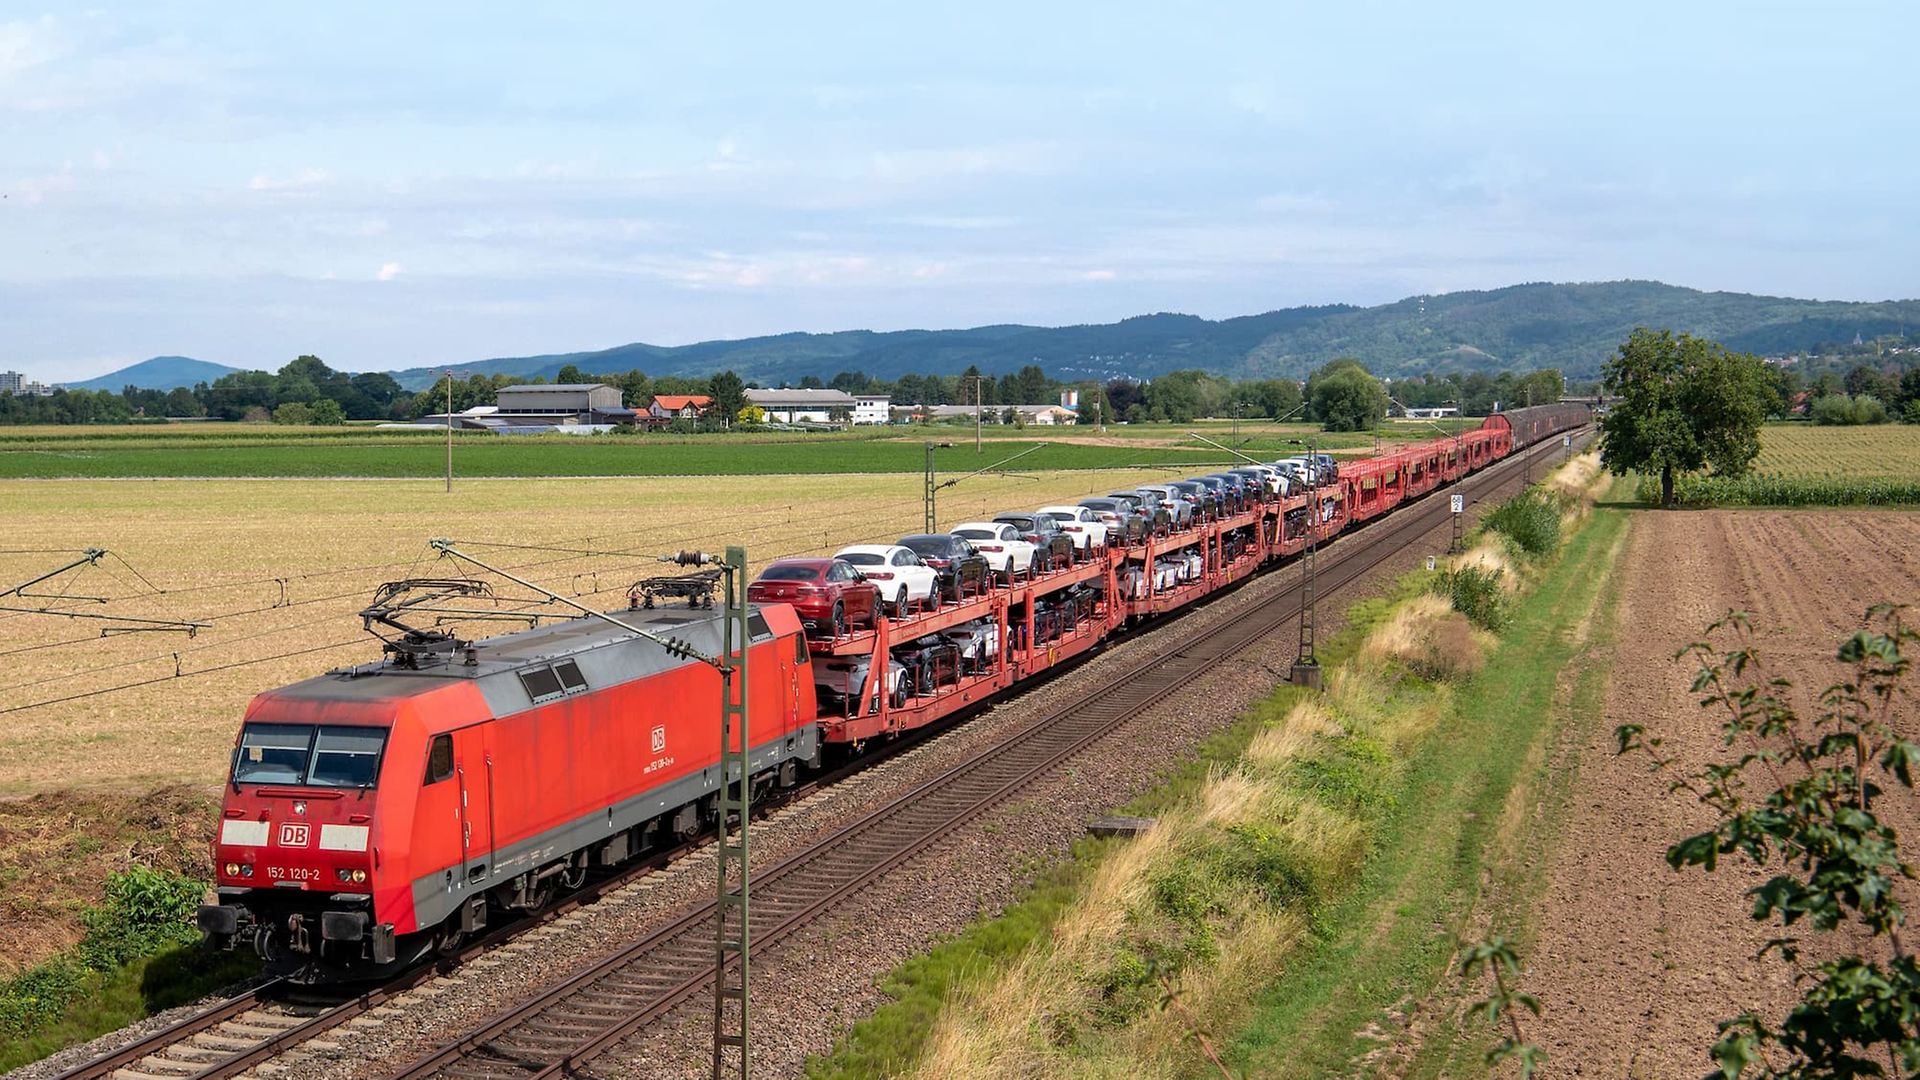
(447, 939)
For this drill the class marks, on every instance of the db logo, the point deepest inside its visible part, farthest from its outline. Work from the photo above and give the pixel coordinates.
(659, 738)
(294, 834)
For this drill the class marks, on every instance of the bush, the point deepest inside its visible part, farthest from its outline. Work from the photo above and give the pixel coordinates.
(1842, 409)
(1475, 593)
(1531, 520)
(293, 413)
(144, 911)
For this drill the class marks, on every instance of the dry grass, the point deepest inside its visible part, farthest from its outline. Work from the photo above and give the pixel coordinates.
(216, 548)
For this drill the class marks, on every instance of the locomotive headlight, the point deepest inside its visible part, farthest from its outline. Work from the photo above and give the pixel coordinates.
(233, 869)
(359, 877)
(246, 869)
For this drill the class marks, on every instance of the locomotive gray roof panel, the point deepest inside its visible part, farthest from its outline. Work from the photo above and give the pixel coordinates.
(606, 654)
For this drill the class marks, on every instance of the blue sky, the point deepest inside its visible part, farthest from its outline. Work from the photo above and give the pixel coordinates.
(402, 184)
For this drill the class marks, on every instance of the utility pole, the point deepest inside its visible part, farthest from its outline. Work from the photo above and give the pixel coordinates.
(1306, 665)
(979, 396)
(731, 933)
(449, 431)
(929, 488)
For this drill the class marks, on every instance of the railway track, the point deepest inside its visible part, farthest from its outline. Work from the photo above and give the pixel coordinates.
(567, 1025)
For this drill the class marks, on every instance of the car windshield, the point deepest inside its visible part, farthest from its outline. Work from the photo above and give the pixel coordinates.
(315, 756)
(790, 573)
(863, 558)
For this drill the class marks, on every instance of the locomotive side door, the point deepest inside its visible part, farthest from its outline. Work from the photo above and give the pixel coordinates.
(473, 767)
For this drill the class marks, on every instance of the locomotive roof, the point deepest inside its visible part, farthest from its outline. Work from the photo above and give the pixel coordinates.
(604, 655)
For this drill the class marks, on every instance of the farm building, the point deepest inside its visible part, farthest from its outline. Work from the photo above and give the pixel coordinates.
(559, 399)
(806, 406)
(678, 406)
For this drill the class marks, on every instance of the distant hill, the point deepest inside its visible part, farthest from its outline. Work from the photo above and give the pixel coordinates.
(1570, 326)
(159, 373)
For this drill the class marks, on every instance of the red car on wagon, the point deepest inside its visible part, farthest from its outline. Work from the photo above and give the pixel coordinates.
(828, 594)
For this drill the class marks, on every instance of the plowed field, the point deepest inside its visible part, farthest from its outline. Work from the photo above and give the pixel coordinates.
(1633, 962)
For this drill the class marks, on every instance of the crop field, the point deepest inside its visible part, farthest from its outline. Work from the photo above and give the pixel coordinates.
(1804, 465)
(1861, 453)
(281, 567)
(249, 450)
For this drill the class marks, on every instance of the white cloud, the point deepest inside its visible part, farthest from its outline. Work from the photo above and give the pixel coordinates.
(1099, 275)
(35, 189)
(25, 44)
(305, 180)
(387, 271)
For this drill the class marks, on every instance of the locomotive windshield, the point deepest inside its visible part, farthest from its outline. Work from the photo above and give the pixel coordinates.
(310, 755)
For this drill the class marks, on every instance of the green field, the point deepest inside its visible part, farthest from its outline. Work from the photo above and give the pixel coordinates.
(246, 450)
(488, 455)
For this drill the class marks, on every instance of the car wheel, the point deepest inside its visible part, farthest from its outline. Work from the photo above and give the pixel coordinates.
(899, 604)
(957, 593)
(839, 620)
(1033, 567)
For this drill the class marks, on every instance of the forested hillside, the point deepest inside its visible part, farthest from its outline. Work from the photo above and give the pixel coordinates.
(1572, 327)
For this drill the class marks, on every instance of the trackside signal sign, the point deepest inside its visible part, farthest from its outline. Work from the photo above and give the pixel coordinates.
(1458, 502)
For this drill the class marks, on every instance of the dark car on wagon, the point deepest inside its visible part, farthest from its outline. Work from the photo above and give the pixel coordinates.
(1125, 523)
(1040, 530)
(1158, 514)
(1205, 499)
(960, 570)
(1238, 495)
(828, 594)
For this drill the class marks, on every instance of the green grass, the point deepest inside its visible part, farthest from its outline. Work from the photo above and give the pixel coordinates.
(127, 994)
(1392, 939)
(488, 456)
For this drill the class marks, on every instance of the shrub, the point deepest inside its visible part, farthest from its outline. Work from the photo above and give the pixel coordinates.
(144, 910)
(293, 412)
(1531, 520)
(1476, 594)
(1843, 409)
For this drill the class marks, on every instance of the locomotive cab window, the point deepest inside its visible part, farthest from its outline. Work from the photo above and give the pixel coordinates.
(440, 759)
(305, 754)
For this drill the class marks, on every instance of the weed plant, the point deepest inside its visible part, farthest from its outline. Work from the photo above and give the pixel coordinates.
(1475, 593)
(1531, 520)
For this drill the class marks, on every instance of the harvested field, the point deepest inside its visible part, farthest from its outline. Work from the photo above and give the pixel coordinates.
(1635, 963)
(280, 568)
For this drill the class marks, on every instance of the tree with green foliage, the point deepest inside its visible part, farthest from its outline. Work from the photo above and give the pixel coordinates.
(293, 413)
(1801, 796)
(326, 412)
(1681, 404)
(1344, 396)
(729, 395)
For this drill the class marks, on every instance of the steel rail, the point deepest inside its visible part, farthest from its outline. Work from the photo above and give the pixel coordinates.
(564, 1026)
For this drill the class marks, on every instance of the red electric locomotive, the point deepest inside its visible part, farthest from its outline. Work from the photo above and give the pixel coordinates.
(379, 811)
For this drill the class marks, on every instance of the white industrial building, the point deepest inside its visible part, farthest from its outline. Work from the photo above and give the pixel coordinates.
(819, 405)
(1044, 415)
